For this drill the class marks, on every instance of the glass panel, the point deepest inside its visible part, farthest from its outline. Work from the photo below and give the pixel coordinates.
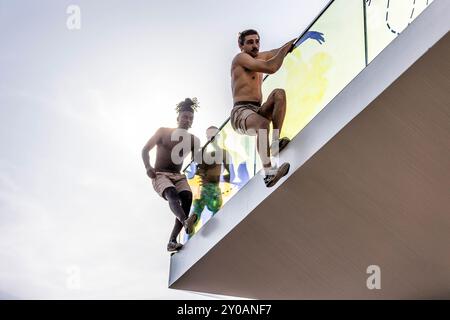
(386, 19)
(330, 57)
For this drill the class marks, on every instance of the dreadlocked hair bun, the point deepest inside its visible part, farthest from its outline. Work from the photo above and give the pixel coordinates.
(187, 105)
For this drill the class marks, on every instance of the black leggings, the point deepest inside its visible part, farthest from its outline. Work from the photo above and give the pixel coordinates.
(180, 204)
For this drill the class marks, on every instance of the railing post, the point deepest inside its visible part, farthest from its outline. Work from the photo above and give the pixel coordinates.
(365, 33)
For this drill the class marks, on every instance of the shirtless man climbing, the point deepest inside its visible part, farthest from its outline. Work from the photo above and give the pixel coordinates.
(249, 115)
(167, 180)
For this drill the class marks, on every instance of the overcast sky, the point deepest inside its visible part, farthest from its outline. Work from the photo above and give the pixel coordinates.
(77, 106)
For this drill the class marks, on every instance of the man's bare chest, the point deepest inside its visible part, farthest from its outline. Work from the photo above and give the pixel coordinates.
(174, 139)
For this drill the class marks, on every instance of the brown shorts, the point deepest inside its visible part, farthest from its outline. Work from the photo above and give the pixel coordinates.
(165, 180)
(239, 115)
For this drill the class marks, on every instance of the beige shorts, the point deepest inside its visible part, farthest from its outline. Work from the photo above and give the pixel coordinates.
(166, 180)
(239, 115)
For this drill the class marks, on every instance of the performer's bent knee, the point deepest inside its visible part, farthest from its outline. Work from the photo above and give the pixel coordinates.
(280, 94)
(171, 194)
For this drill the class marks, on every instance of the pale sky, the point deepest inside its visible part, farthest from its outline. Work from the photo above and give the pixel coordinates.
(76, 108)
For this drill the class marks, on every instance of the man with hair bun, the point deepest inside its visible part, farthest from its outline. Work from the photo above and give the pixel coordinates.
(166, 176)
